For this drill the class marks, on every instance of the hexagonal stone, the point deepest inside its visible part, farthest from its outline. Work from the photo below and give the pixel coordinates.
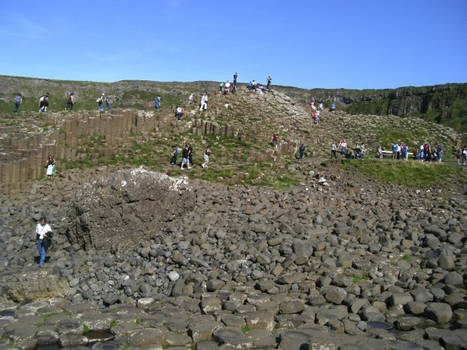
(70, 339)
(261, 320)
(177, 339)
(335, 295)
(201, 328)
(261, 338)
(147, 336)
(69, 326)
(211, 305)
(235, 321)
(439, 312)
(109, 345)
(233, 337)
(291, 306)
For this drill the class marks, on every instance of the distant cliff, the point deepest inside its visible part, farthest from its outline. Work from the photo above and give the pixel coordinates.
(445, 104)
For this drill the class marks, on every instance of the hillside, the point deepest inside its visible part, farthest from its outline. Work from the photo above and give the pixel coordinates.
(445, 104)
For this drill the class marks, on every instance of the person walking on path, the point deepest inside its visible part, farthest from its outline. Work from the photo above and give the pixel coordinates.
(185, 157)
(70, 101)
(157, 103)
(43, 235)
(268, 86)
(18, 100)
(204, 102)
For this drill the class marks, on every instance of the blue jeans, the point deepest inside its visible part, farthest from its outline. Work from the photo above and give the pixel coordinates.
(107, 106)
(42, 252)
(16, 107)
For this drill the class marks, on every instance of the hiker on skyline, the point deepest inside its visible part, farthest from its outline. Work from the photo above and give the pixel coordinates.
(18, 100)
(235, 77)
(157, 103)
(268, 86)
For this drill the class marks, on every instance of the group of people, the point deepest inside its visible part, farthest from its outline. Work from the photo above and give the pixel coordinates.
(315, 111)
(253, 85)
(358, 152)
(187, 157)
(103, 99)
(428, 153)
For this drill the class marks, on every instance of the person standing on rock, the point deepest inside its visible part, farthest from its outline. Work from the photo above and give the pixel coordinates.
(190, 154)
(173, 160)
(333, 151)
(301, 151)
(100, 103)
(191, 98)
(108, 103)
(268, 85)
(179, 112)
(235, 77)
(70, 101)
(44, 103)
(43, 234)
(18, 100)
(50, 166)
(206, 155)
(343, 147)
(157, 103)
(185, 157)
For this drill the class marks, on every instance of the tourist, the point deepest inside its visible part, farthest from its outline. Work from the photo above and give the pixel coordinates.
(268, 85)
(206, 155)
(227, 87)
(301, 151)
(44, 103)
(50, 166)
(422, 153)
(316, 117)
(221, 86)
(333, 107)
(190, 99)
(439, 153)
(108, 103)
(394, 150)
(464, 156)
(204, 102)
(70, 101)
(190, 154)
(343, 147)
(275, 140)
(100, 103)
(379, 152)
(18, 100)
(185, 157)
(179, 112)
(320, 107)
(43, 235)
(427, 151)
(157, 102)
(173, 159)
(405, 152)
(235, 77)
(333, 151)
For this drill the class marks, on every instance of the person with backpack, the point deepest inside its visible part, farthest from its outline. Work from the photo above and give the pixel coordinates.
(157, 103)
(70, 101)
(100, 103)
(173, 160)
(179, 112)
(43, 236)
(18, 100)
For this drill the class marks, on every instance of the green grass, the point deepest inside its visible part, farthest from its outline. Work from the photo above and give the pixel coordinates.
(357, 278)
(113, 324)
(86, 328)
(246, 329)
(411, 173)
(406, 257)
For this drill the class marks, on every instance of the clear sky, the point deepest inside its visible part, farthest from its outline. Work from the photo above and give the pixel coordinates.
(304, 43)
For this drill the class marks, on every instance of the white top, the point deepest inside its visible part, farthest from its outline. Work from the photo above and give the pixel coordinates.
(42, 230)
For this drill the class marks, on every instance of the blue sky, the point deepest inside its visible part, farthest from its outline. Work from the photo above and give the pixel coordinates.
(331, 44)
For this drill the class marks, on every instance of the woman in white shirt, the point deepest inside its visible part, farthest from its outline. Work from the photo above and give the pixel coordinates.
(42, 229)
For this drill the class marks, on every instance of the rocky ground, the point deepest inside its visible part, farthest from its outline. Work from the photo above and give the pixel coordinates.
(143, 260)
